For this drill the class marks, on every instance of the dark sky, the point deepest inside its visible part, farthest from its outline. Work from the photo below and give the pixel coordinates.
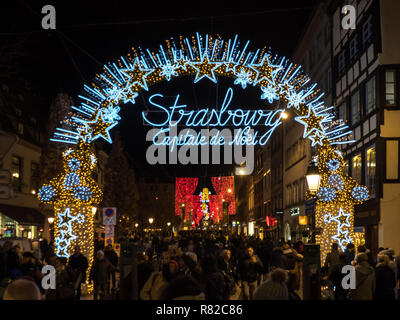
(91, 33)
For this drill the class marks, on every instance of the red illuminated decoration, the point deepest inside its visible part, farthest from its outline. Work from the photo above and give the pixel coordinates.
(186, 201)
(270, 221)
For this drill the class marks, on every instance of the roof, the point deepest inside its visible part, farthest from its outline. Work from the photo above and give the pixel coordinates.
(23, 215)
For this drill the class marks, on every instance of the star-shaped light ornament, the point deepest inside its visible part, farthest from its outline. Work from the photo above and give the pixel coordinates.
(266, 70)
(65, 217)
(97, 128)
(205, 68)
(137, 75)
(342, 237)
(230, 66)
(342, 219)
(311, 122)
(316, 138)
(182, 63)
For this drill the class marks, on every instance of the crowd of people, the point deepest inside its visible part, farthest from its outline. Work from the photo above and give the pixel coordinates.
(21, 273)
(203, 265)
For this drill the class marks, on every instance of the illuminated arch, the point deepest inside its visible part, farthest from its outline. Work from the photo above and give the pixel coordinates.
(206, 58)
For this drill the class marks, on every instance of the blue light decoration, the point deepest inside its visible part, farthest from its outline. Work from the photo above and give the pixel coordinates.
(203, 57)
(326, 193)
(333, 164)
(46, 193)
(71, 179)
(82, 193)
(336, 181)
(169, 70)
(360, 193)
(243, 78)
(269, 93)
(342, 220)
(342, 238)
(63, 240)
(74, 164)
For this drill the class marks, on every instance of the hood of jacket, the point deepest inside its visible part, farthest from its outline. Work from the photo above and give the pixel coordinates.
(364, 269)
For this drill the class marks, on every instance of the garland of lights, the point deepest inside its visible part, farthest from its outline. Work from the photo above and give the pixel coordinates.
(205, 58)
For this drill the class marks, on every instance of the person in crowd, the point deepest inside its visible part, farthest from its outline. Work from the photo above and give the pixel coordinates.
(213, 280)
(365, 279)
(79, 264)
(112, 257)
(65, 280)
(291, 263)
(183, 288)
(364, 249)
(157, 282)
(22, 289)
(332, 258)
(335, 275)
(11, 260)
(99, 275)
(274, 288)
(385, 279)
(350, 253)
(30, 268)
(144, 269)
(249, 269)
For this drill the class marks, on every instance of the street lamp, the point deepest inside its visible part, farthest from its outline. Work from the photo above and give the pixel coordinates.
(136, 225)
(151, 220)
(50, 220)
(313, 180)
(168, 224)
(94, 210)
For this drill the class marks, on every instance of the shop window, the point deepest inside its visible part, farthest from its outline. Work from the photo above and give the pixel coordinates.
(370, 179)
(390, 86)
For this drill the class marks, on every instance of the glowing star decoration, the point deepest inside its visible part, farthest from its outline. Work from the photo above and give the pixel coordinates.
(230, 66)
(137, 75)
(97, 128)
(316, 138)
(269, 93)
(342, 238)
(205, 68)
(266, 70)
(169, 70)
(311, 122)
(182, 63)
(130, 97)
(285, 88)
(342, 219)
(243, 78)
(65, 218)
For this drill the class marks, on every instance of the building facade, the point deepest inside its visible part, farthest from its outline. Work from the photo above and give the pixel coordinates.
(313, 53)
(366, 62)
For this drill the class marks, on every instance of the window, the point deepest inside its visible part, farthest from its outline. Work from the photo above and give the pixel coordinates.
(356, 171)
(370, 179)
(353, 49)
(343, 112)
(355, 108)
(16, 171)
(390, 88)
(367, 31)
(370, 95)
(341, 62)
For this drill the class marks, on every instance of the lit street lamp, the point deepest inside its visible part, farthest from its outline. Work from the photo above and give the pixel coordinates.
(313, 180)
(151, 220)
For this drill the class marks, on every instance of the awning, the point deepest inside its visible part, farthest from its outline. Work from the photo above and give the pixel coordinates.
(23, 215)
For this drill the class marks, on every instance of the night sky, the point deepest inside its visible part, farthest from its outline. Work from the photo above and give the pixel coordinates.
(90, 33)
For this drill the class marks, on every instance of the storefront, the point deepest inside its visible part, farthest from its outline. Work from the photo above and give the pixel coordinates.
(18, 221)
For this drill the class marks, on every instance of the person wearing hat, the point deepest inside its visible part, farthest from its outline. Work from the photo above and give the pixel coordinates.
(274, 288)
(365, 279)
